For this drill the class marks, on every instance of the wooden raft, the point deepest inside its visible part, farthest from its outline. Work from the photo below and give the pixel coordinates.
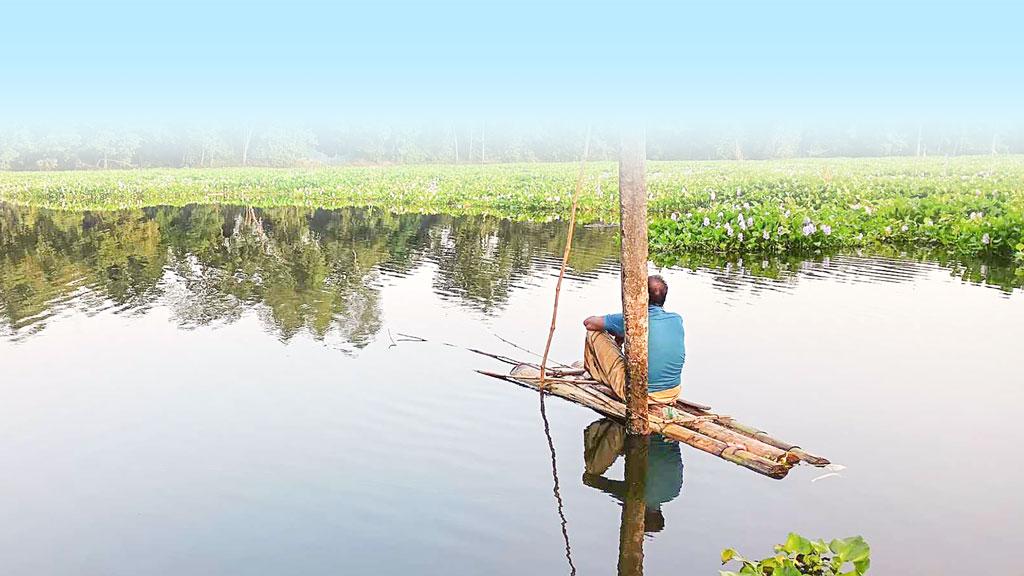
(693, 424)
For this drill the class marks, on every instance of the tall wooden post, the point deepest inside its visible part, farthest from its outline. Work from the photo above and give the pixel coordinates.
(633, 224)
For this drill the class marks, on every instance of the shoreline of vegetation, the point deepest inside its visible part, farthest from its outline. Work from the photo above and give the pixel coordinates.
(968, 207)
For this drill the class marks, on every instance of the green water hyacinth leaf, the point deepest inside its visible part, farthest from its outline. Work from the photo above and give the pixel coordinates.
(797, 544)
(853, 549)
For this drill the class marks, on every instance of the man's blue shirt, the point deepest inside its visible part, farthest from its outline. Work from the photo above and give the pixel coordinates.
(666, 350)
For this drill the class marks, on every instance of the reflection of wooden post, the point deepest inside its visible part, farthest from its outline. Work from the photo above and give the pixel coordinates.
(633, 223)
(631, 530)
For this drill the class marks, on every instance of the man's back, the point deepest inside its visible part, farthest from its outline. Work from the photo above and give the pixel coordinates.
(666, 348)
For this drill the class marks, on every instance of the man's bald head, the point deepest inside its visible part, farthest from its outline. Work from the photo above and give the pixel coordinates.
(657, 290)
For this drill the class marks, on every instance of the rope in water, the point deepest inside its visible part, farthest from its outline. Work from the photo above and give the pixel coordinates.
(565, 256)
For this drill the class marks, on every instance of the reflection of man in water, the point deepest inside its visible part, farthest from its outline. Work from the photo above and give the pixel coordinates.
(603, 443)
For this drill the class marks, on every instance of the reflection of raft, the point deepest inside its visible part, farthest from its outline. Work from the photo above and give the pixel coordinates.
(692, 423)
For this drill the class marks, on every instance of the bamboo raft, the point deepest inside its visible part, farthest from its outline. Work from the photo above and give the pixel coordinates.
(692, 423)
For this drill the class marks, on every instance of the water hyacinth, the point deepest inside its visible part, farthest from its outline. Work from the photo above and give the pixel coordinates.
(985, 239)
(864, 202)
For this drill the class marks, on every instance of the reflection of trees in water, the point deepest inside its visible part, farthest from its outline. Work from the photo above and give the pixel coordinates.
(49, 259)
(301, 269)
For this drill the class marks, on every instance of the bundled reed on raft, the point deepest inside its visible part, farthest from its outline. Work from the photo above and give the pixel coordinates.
(692, 423)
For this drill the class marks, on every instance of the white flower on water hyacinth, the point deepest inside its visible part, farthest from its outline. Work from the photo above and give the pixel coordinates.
(674, 216)
(712, 195)
(750, 221)
(707, 221)
(826, 229)
(746, 205)
(743, 223)
(867, 210)
(738, 192)
(904, 228)
(781, 231)
(786, 213)
(860, 237)
(766, 235)
(720, 215)
(985, 238)
(928, 222)
(888, 229)
(808, 228)
(728, 229)
(689, 215)
(741, 236)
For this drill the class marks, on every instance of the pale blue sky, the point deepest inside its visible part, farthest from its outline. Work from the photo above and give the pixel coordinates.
(305, 58)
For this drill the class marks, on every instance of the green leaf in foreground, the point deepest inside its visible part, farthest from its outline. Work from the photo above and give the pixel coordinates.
(799, 556)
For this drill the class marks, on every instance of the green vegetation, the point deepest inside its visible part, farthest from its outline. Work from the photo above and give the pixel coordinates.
(800, 556)
(967, 207)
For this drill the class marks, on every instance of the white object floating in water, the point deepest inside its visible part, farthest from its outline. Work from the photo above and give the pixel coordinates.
(823, 476)
(835, 467)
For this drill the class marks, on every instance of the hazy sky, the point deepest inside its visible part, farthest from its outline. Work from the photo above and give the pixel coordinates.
(213, 58)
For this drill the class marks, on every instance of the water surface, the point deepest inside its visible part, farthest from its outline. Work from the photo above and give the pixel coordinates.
(220, 389)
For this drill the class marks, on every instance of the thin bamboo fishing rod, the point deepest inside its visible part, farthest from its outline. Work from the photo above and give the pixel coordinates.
(565, 256)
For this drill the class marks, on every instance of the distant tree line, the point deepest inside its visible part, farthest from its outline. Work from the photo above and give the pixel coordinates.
(117, 147)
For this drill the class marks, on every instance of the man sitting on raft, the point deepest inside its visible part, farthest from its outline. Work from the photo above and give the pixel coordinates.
(666, 351)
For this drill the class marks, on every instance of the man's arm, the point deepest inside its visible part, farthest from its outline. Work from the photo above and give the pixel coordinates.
(594, 323)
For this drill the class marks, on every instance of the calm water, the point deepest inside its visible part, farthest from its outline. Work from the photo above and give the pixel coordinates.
(221, 390)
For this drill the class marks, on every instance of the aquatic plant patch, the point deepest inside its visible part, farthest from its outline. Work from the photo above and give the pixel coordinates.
(967, 206)
(800, 556)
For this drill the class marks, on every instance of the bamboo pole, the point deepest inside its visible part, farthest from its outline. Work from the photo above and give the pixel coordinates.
(565, 256)
(633, 228)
